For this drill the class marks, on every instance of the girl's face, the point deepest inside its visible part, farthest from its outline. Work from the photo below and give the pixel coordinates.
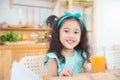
(70, 34)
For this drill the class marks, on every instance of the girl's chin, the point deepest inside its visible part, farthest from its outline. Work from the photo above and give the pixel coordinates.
(69, 47)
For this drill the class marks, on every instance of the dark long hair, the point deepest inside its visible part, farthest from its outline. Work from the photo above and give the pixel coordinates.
(56, 46)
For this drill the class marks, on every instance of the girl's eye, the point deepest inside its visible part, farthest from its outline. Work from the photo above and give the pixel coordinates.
(76, 32)
(66, 31)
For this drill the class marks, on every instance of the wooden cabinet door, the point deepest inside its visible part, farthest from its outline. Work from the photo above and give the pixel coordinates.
(5, 64)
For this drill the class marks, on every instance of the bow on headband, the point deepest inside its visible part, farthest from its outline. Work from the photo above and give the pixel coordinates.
(68, 14)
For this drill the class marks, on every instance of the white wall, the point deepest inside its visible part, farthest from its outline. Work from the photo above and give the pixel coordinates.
(107, 22)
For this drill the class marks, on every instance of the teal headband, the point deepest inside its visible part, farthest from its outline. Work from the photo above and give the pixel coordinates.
(67, 15)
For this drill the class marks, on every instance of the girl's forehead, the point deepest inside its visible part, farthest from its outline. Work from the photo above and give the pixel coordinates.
(72, 23)
(70, 20)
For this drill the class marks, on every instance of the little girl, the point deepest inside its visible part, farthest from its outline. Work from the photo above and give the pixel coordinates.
(68, 52)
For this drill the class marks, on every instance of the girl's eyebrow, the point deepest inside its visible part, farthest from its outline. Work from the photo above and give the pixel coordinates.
(66, 28)
(74, 29)
(77, 29)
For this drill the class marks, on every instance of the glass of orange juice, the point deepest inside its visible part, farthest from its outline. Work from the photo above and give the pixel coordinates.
(98, 61)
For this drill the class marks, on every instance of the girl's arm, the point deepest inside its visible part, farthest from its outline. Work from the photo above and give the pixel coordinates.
(52, 67)
(86, 68)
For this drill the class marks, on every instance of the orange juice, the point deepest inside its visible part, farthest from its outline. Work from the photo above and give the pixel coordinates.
(45, 78)
(98, 63)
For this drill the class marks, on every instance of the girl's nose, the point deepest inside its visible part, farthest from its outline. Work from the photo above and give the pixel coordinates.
(71, 35)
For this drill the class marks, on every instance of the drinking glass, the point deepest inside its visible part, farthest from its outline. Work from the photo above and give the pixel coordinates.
(98, 60)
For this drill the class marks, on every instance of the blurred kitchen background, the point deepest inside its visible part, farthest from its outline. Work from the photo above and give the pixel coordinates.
(106, 16)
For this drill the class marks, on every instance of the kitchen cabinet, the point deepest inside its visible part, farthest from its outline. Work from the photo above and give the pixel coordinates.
(10, 53)
(87, 10)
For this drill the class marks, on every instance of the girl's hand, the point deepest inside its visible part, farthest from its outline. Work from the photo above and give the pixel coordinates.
(67, 72)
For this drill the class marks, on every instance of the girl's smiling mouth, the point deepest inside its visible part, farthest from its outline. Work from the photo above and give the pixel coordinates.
(70, 41)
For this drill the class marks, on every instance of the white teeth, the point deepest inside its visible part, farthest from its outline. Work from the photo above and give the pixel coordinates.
(70, 41)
